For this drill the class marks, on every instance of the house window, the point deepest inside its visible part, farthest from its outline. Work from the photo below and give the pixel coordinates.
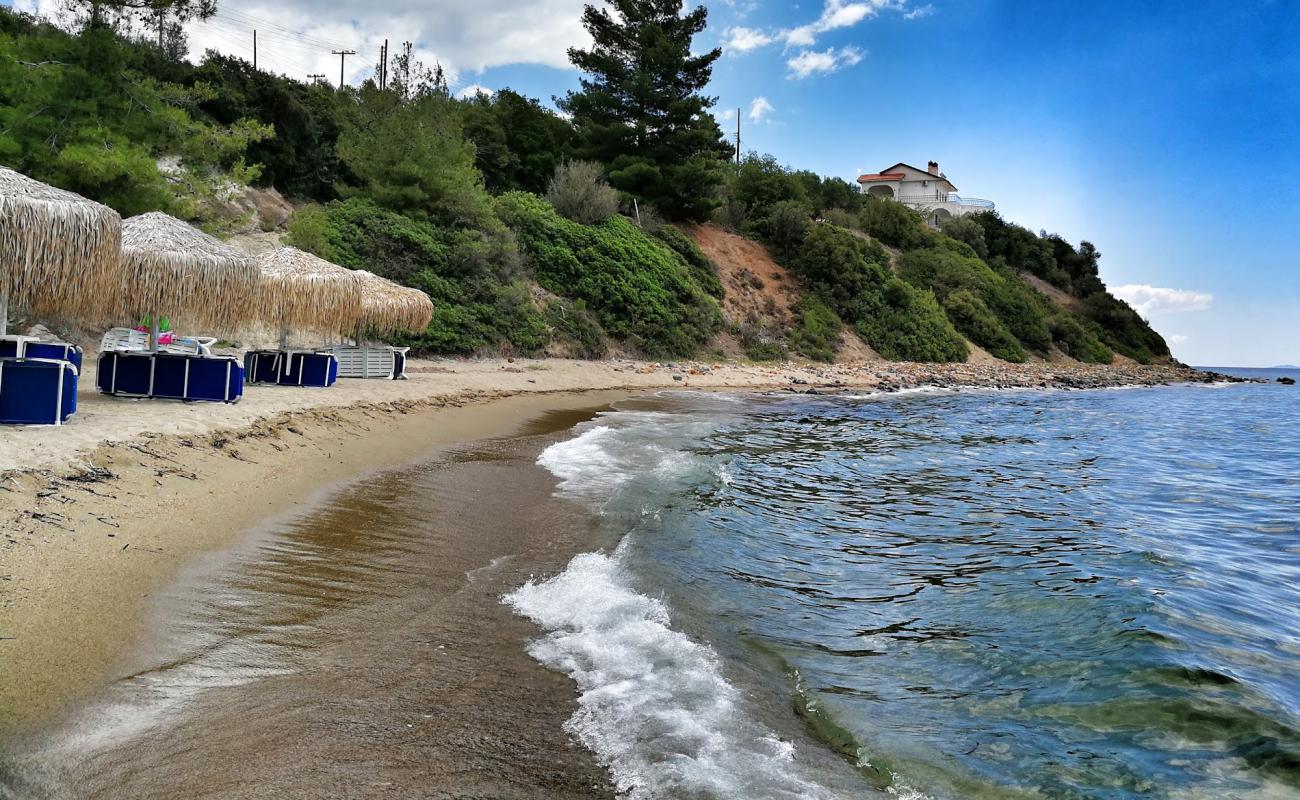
(925, 183)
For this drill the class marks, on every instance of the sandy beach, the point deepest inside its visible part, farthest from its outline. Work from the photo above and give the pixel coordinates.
(101, 518)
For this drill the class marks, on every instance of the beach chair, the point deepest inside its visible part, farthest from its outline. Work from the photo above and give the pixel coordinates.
(171, 376)
(367, 361)
(124, 340)
(310, 368)
(37, 391)
(33, 347)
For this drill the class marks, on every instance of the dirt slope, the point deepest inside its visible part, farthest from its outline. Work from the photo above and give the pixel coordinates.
(760, 291)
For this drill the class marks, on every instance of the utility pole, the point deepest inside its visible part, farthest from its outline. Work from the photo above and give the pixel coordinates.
(738, 137)
(255, 49)
(343, 57)
(383, 68)
(316, 77)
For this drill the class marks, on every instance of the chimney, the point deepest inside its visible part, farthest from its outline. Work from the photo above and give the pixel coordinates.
(934, 167)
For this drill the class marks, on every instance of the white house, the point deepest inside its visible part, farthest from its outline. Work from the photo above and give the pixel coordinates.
(928, 191)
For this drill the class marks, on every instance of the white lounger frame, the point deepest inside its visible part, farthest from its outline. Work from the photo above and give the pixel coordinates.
(367, 361)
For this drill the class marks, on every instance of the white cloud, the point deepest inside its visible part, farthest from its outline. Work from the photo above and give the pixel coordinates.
(919, 13)
(295, 37)
(835, 14)
(475, 89)
(727, 114)
(742, 40)
(1150, 299)
(814, 62)
(1178, 338)
(759, 108)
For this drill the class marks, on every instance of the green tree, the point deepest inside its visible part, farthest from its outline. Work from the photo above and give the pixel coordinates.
(406, 152)
(77, 112)
(641, 110)
(300, 160)
(519, 143)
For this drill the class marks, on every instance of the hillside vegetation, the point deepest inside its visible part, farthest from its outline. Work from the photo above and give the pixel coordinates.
(540, 233)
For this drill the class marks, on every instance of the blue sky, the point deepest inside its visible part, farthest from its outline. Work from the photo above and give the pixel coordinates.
(1167, 136)
(1163, 132)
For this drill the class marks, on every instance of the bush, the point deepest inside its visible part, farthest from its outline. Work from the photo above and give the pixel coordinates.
(1018, 309)
(761, 344)
(1077, 340)
(704, 270)
(359, 234)
(967, 230)
(575, 324)
(787, 225)
(579, 192)
(970, 316)
(1123, 329)
(637, 287)
(817, 330)
(892, 223)
(852, 279)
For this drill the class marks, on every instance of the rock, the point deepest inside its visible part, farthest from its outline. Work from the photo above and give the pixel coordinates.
(1285, 381)
(677, 377)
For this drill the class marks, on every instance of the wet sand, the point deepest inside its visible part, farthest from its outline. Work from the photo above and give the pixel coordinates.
(352, 647)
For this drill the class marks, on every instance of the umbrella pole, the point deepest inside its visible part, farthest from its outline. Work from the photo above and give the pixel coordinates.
(4, 313)
(153, 333)
(284, 338)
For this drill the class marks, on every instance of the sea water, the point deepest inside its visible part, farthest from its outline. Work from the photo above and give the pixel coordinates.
(964, 594)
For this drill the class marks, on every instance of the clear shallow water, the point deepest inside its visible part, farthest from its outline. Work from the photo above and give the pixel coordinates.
(949, 595)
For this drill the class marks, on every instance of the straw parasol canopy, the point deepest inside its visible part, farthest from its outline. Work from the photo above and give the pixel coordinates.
(176, 269)
(59, 252)
(388, 307)
(302, 292)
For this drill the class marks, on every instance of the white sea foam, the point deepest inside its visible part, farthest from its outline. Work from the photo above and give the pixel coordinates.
(654, 705)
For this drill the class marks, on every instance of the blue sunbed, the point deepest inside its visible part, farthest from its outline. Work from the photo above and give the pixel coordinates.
(37, 391)
(171, 376)
(291, 368)
(31, 347)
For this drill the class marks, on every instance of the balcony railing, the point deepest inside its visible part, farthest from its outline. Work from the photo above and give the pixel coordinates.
(974, 202)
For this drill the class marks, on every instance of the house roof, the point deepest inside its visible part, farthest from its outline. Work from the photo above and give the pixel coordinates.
(882, 176)
(940, 176)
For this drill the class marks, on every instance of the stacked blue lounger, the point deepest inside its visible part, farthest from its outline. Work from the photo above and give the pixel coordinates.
(29, 347)
(291, 368)
(171, 376)
(37, 391)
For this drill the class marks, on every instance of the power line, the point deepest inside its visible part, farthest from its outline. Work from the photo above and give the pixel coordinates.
(250, 21)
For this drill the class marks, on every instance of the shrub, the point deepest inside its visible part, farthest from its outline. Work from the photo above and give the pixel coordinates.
(637, 287)
(575, 324)
(787, 225)
(760, 343)
(1123, 329)
(817, 329)
(1078, 340)
(850, 276)
(704, 270)
(579, 192)
(1018, 309)
(967, 230)
(970, 316)
(892, 223)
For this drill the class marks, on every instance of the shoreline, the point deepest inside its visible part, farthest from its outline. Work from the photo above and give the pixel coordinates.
(92, 538)
(359, 635)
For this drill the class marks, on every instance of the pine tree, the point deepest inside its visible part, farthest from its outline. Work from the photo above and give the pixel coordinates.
(642, 111)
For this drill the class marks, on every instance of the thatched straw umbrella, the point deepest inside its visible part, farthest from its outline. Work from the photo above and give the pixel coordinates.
(388, 307)
(59, 252)
(302, 292)
(172, 266)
